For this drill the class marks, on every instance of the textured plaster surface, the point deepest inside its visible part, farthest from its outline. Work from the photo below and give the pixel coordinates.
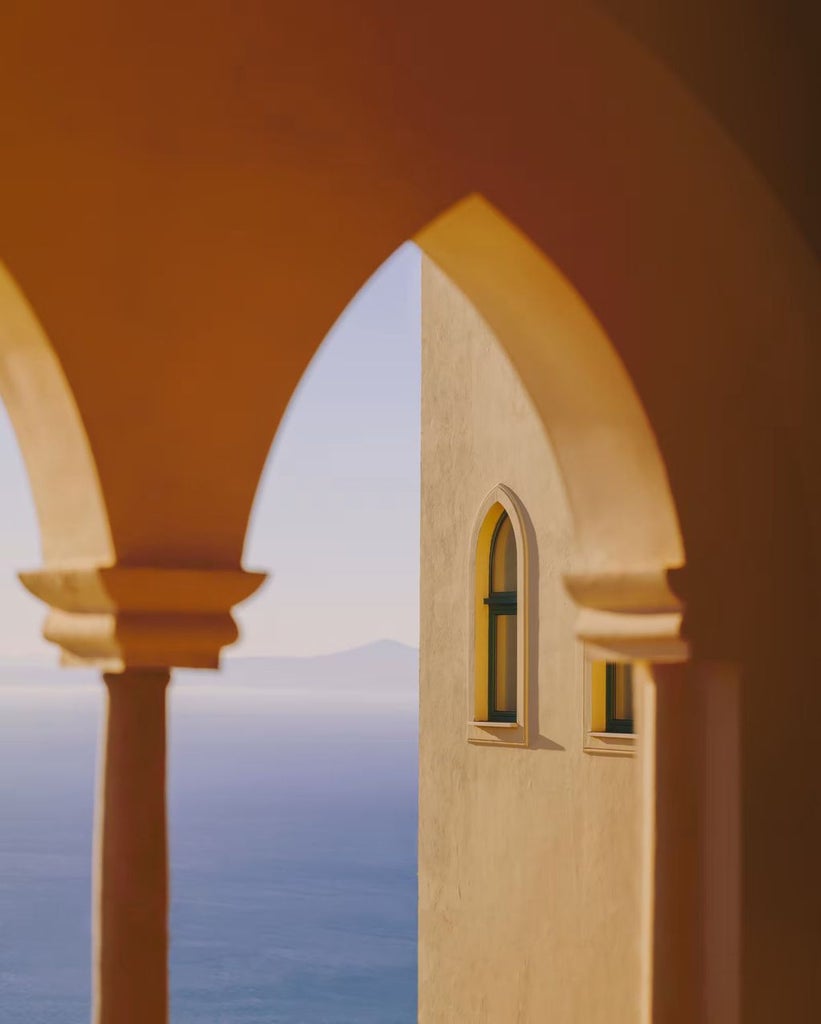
(528, 858)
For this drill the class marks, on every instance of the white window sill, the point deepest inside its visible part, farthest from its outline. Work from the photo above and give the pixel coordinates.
(497, 725)
(619, 743)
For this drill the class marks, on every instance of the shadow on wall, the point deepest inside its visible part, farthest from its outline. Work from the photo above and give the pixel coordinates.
(537, 740)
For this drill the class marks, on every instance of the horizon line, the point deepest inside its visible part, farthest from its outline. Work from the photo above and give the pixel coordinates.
(25, 661)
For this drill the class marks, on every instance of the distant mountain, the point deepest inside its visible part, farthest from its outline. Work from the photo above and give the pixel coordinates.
(382, 659)
(386, 667)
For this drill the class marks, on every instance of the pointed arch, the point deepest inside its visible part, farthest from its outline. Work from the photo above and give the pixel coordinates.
(623, 509)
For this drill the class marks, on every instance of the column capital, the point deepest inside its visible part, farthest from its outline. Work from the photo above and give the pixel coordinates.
(630, 615)
(122, 617)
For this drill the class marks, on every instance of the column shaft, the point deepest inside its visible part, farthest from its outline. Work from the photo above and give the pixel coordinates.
(131, 854)
(694, 808)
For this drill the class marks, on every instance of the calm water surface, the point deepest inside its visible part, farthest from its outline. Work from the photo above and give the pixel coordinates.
(293, 836)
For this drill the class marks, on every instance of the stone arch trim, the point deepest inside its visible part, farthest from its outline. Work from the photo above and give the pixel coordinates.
(624, 514)
(101, 613)
(582, 136)
(625, 521)
(623, 509)
(74, 527)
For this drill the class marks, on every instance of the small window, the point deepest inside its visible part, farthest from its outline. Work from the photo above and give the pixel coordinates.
(609, 722)
(619, 697)
(502, 606)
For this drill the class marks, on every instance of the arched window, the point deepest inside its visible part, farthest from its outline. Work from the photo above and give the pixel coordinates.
(502, 605)
(501, 623)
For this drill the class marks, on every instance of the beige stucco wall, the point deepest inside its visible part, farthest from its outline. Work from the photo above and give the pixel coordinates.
(528, 857)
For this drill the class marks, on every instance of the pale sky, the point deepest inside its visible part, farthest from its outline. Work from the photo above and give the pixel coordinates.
(336, 521)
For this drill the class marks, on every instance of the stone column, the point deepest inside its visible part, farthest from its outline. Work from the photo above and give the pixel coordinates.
(693, 806)
(130, 896)
(134, 623)
(688, 797)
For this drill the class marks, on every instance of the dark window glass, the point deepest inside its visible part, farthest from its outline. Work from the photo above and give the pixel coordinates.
(619, 699)
(502, 624)
(503, 558)
(504, 690)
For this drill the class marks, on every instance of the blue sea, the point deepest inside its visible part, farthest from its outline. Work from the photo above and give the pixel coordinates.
(293, 854)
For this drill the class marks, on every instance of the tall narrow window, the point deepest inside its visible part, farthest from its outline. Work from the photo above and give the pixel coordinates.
(619, 697)
(502, 627)
(500, 622)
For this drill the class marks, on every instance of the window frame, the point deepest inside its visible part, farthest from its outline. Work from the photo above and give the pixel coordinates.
(501, 729)
(592, 661)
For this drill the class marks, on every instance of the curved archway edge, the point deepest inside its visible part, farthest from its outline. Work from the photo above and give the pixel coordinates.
(188, 211)
(73, 520)
(623, 510)
(626, 526)
(243, 225)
